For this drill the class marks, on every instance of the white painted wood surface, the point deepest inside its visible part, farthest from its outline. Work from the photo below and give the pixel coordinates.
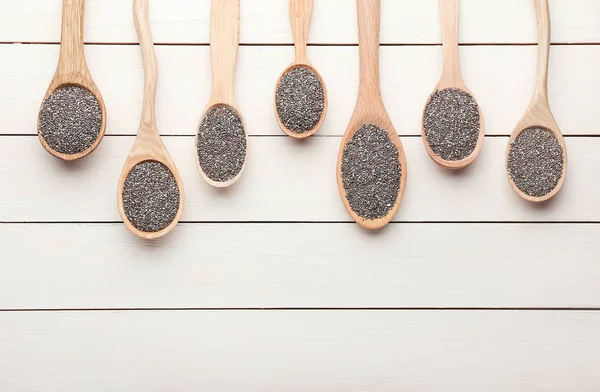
(274, 351)
(471, 289)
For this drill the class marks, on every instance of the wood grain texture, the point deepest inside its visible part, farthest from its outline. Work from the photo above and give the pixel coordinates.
(404, 21)
(72, 69)
(539, 114)
(300, 16)
(44, 190)
(369, 109)
(311, 351)
(224, 42)
(502, 78)
(148, 145)
(301, 266)
(452, 78)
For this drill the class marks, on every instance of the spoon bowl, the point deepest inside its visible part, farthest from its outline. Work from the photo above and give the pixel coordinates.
(369, 112)
(227, 183)
(538, 114)
(300, 16)
(148, 146)
(72, 70)
(452, 79)
(224, 42)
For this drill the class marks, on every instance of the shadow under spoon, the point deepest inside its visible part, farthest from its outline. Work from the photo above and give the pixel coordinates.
(150, 191)
(452, 126)
(222, 139)
(536, 156)
(300, 93)
(371, 167)
(72, 116)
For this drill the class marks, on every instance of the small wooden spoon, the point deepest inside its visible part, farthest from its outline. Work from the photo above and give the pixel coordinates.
(539, 114)
(300, 15)
(369, 106)
(452, 78)
(72, 70)
(148, 145)
(224, 42)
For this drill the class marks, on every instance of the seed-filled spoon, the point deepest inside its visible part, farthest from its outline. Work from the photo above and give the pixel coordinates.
(300, 93)
(72, 117)
(221, 141)
(150, 194)
(452, 128)
(371, 169)
(536, 157)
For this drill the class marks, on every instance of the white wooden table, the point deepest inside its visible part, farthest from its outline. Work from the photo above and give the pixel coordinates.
(268, 286)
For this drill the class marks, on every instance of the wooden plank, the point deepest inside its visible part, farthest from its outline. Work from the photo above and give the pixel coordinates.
(293, 351)
(187, 21)
(84, 266)
(501, 78)
(40, 188)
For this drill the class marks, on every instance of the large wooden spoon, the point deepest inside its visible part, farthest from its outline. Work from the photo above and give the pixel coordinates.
(452, 79)
(539, 114)
(370, 110)
(300, 16)
(148, 146)
(72, 70)
(224, 42)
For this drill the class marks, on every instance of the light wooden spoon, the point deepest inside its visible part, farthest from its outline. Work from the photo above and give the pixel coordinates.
(72, 70)
(369, 106)
(452, 78)
(148, 145)
(539, 114)
(300, 15)
(224, 42)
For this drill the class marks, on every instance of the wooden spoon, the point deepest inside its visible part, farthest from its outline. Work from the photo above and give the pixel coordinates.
(369, 106)
(539, 114)
(148, 145)
(72, 70)
(224, 42)
(452, 78)
(300, 15)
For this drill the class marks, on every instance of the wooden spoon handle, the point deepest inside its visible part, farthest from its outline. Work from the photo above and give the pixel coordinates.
(300, 15)
(449, 10)
(72, 58)
(224, 41)
(369, 14)
(142, 26)
(542, 11)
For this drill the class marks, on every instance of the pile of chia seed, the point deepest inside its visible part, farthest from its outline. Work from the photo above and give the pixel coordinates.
(535, 161)
(371, 172)
(452, 124)
(70, 120)
(150, 196)
(221, 144)
(300, 100)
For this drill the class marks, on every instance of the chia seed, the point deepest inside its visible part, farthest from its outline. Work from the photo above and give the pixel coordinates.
(371, 172)
(70, 120)
(300, 100)
(452, 124)
(221, 144)
(150, 196)
(535, 161)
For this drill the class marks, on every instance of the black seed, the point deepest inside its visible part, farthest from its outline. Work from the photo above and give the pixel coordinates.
(221, 144)
(371, 172)
(300, 100)
(452, 124)
(535, 161)
(150, 196)
(70, 120)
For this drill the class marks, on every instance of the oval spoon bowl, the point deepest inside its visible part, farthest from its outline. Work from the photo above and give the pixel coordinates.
(289, 132)
(205, 177)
